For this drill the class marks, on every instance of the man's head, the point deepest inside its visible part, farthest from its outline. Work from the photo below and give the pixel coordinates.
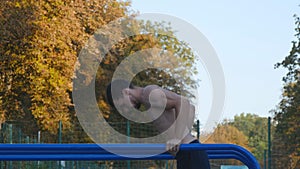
(116, 92)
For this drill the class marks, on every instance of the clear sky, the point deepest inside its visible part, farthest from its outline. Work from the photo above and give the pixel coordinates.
(249, 36)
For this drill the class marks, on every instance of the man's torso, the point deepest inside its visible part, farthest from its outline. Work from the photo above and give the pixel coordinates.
(165, 119)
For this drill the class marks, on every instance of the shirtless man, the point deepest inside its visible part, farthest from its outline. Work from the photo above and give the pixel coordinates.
(165, 107)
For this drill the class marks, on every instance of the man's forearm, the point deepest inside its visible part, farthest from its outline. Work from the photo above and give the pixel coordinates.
(182, 120)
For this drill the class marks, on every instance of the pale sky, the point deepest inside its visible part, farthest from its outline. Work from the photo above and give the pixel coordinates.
(249, 36)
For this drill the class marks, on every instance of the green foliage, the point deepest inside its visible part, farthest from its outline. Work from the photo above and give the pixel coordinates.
(255, 129)
(247, 130)
(287, 114)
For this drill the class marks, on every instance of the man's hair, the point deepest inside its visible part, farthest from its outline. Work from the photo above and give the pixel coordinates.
(114, 90)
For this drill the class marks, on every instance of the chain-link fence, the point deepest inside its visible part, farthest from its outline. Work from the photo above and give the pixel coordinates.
(15, 132)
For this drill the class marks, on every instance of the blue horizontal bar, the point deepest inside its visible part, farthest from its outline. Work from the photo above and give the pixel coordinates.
(24, 152)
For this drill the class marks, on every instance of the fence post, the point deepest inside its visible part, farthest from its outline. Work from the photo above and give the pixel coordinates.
(20, 141)
(1, 133)
(265, 159)
(198, 129)
(269, 143)
(60, 132)
(38, 141)
(39, 137)
(128, 140)
(59, 138)
(10, 141)
(10, 133)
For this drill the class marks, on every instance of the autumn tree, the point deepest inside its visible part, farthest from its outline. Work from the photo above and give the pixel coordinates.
(286, 146)
(226, 133)
(39, 45)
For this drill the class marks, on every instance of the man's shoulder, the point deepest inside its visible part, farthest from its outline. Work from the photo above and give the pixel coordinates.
(159, 91)
(152, 87)
(149, 88)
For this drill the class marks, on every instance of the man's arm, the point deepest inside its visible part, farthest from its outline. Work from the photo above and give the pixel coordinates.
(161, 100)
(185, 113)
(183, 118)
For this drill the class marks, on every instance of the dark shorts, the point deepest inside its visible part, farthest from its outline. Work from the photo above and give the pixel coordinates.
(192, 159)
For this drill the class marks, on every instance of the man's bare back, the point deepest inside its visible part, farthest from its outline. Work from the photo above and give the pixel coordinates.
(152, 94)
